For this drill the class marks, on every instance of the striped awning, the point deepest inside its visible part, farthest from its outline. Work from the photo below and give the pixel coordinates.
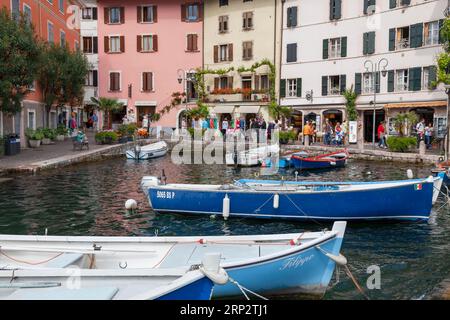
(425, 104)
(249, 109)
(223, 109)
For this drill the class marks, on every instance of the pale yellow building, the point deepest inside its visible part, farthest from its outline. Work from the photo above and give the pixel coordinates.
(237, 35)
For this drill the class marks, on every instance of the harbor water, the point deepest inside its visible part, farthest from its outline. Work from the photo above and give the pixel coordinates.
(89, 199)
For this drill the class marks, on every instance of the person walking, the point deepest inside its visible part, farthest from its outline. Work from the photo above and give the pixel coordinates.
(381, 132)
(420, 129)
(328, 132)
(95, 120)
(224, 128)
(338, 131)
(428, 135)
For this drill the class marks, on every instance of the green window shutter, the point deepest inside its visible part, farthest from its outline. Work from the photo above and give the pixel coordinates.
(325, 49)
(432, 78)
(293, 16)
(343, 47)
(365, 43)
(392, 4)
(299, 87)
(331, 9)
(324, 86)
(441, 38)
(343, 82)
(392, 39)
(338, 4)
(391, 81)
(289, 17)
(366, 5)
(377, 82)
(415, 77)
(358, 78)
(371, 42)
(416, 35)
(406, 2)
(283, 88)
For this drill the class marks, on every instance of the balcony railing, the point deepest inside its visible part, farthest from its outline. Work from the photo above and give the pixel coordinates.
(220, 97)
(402, 44)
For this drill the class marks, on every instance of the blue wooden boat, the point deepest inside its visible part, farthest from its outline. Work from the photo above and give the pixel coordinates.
(303, 161)
(183, 267)
(402, 200)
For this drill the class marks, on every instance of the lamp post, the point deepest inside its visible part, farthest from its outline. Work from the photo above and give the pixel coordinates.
(447, 136)
(183, 78)
(375, 68)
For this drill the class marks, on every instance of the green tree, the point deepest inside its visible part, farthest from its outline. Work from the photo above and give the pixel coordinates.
(403, 119)
(108, 106)
(350, 97)
(19, 61)
(276, 111)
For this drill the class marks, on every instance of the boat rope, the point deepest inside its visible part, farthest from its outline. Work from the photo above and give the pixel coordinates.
(302, 212)
(257, 209)
(244, 289)
(446, 195)
(28, 262)
(355, 282)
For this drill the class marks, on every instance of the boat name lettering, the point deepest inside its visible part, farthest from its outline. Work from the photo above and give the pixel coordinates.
(165, 194)
(293, 263)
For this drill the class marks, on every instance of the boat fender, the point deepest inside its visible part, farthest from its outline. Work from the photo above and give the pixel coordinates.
(340, 259)
(294, 242)
(226, 207)
(202, 241)
(276, 201)
(409, 174)
(220, 277)
(333, 163)
(131, 204)
(210, 267)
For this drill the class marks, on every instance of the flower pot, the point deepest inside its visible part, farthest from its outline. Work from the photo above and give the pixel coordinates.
(34, 143)
(46, 141)
(60, 138)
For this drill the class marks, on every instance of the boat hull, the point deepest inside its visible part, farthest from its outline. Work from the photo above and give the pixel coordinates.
(408, 201)
(305, 164)
(145, 155)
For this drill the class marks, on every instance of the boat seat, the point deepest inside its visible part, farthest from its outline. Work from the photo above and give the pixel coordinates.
(95, 293)
(64, 260)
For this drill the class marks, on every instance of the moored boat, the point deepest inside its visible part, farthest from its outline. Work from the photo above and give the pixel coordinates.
(298, 200)
(147, 152)
(265, 264)
(252, 157)
(303, 161)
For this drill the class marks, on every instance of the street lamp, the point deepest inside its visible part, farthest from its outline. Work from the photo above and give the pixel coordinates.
(375, 67)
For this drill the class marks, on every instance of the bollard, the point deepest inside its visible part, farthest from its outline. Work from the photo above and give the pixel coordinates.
(306, 138)
(422, 147)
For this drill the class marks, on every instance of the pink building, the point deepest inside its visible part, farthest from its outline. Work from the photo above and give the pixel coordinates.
(142, 49)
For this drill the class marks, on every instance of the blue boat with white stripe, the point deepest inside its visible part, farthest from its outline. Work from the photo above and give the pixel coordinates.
(400, 200)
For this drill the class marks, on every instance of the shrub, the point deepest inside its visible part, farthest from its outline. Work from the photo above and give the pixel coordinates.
(401, 144)
(286, 136)
(48, 133)
(34, 134)
(106, 137)
(61, 130)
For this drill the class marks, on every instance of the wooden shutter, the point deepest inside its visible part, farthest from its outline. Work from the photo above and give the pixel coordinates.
(144, 81)
(416, 35)
(155, 42)
(343, 82)
(95, 44)
(299, 87)
(244, 20)
(282, 88)
(391, 75)
(343, 47)
(230, 82)
(190, 42)
(392, 4)
(432, 77)
(216, 83)
(221, 24)
(324, 86)
(366, 5)
(183, 12)
(139, 14)
(335, 9)
(406, 2)
(371, 42)
(230, 52)
(95, 78)
(195, 42)
(94, 14)
(216, 54)
(106, 44)
(332, 9)
(392, 39)
(111, 82)
(122, 44)
(415, 79)
(200, 12)
(358, 78)
(150, 81)
(294, 17)
(257, 80)
(155, 17)
(366, 43)
(289, 17)
(122, 15)
(325, 49)
(139, 43)
(106, 15)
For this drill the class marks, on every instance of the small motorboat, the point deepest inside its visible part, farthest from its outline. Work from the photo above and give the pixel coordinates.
(275, 264)
(252, 157)
(444, 168)
(305, 200)
(303, 160)
(147, 152)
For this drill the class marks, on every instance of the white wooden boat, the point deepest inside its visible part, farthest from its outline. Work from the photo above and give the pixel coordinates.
(147, 152)
(267, 264)
(252, 157)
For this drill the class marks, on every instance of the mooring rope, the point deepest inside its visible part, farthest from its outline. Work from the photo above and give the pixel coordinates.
(243, 289)
(355, 282)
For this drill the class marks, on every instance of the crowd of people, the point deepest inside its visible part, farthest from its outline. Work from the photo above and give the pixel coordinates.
(333, 134)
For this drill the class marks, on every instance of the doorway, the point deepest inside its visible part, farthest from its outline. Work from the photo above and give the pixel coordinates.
(368, 124)
(142, 111)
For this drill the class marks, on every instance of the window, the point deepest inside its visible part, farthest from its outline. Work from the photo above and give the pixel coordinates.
(90, 44)
(192, 12)
(62, 38)
(291, 88)
(32, 87)
(223, 82)
(264, 82)
(114, 44)
(223, 24)
(50, 32)
(89, 13)
(223, 52)
(402, 38)
(402, 80)
(147, 14)
(335, 48)
(247, 50)
(291, 51)
(291, 17)
(368, 83)
(147, 43)
(369, 6)
(429, 77)
(223, 3)
(247, 23)
(92, 78)
(147, 81)
(114, 15)
(192, 45)
(15, 9)
(431, 33)
(335, 9)
(397, 3)
(334, 85)
(61, 6)
(369, 42)
(190, 87)
(31, 123)
(114, 81)
(27, 13)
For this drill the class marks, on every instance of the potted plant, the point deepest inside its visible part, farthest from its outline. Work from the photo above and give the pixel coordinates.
(34, 137)
(61, 132)
(106, 137)
(131, 131)
(49, 135)
(123, 130)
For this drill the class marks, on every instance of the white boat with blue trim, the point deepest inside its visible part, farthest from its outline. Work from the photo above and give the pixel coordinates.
(151, 151)
(301, 262)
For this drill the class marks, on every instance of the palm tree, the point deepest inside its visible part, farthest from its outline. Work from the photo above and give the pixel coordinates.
(109, 106)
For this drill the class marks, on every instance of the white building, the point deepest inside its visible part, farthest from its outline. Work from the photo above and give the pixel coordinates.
(325, 46)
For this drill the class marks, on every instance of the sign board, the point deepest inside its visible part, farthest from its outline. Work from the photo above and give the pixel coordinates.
(352, 131)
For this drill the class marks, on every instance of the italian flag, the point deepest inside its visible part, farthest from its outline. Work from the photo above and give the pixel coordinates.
(418, 187)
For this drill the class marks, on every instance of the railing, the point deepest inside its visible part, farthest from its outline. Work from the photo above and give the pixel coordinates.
(402, 44)
(218, 98)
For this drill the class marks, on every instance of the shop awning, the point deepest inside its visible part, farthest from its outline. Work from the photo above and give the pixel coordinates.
(249, 109)
(223, 109)
(416, 104)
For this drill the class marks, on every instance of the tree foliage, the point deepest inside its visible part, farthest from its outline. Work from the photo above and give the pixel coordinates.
(108, 106)
(443, 59)
(350, 97)
(19, 61)
(403, 119)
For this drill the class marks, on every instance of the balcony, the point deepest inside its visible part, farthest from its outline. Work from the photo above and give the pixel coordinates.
(238, 95)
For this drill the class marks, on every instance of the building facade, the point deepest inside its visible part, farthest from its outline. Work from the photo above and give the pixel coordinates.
(239, 34)
(143, 48)
(53, 21)
(331, 45)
